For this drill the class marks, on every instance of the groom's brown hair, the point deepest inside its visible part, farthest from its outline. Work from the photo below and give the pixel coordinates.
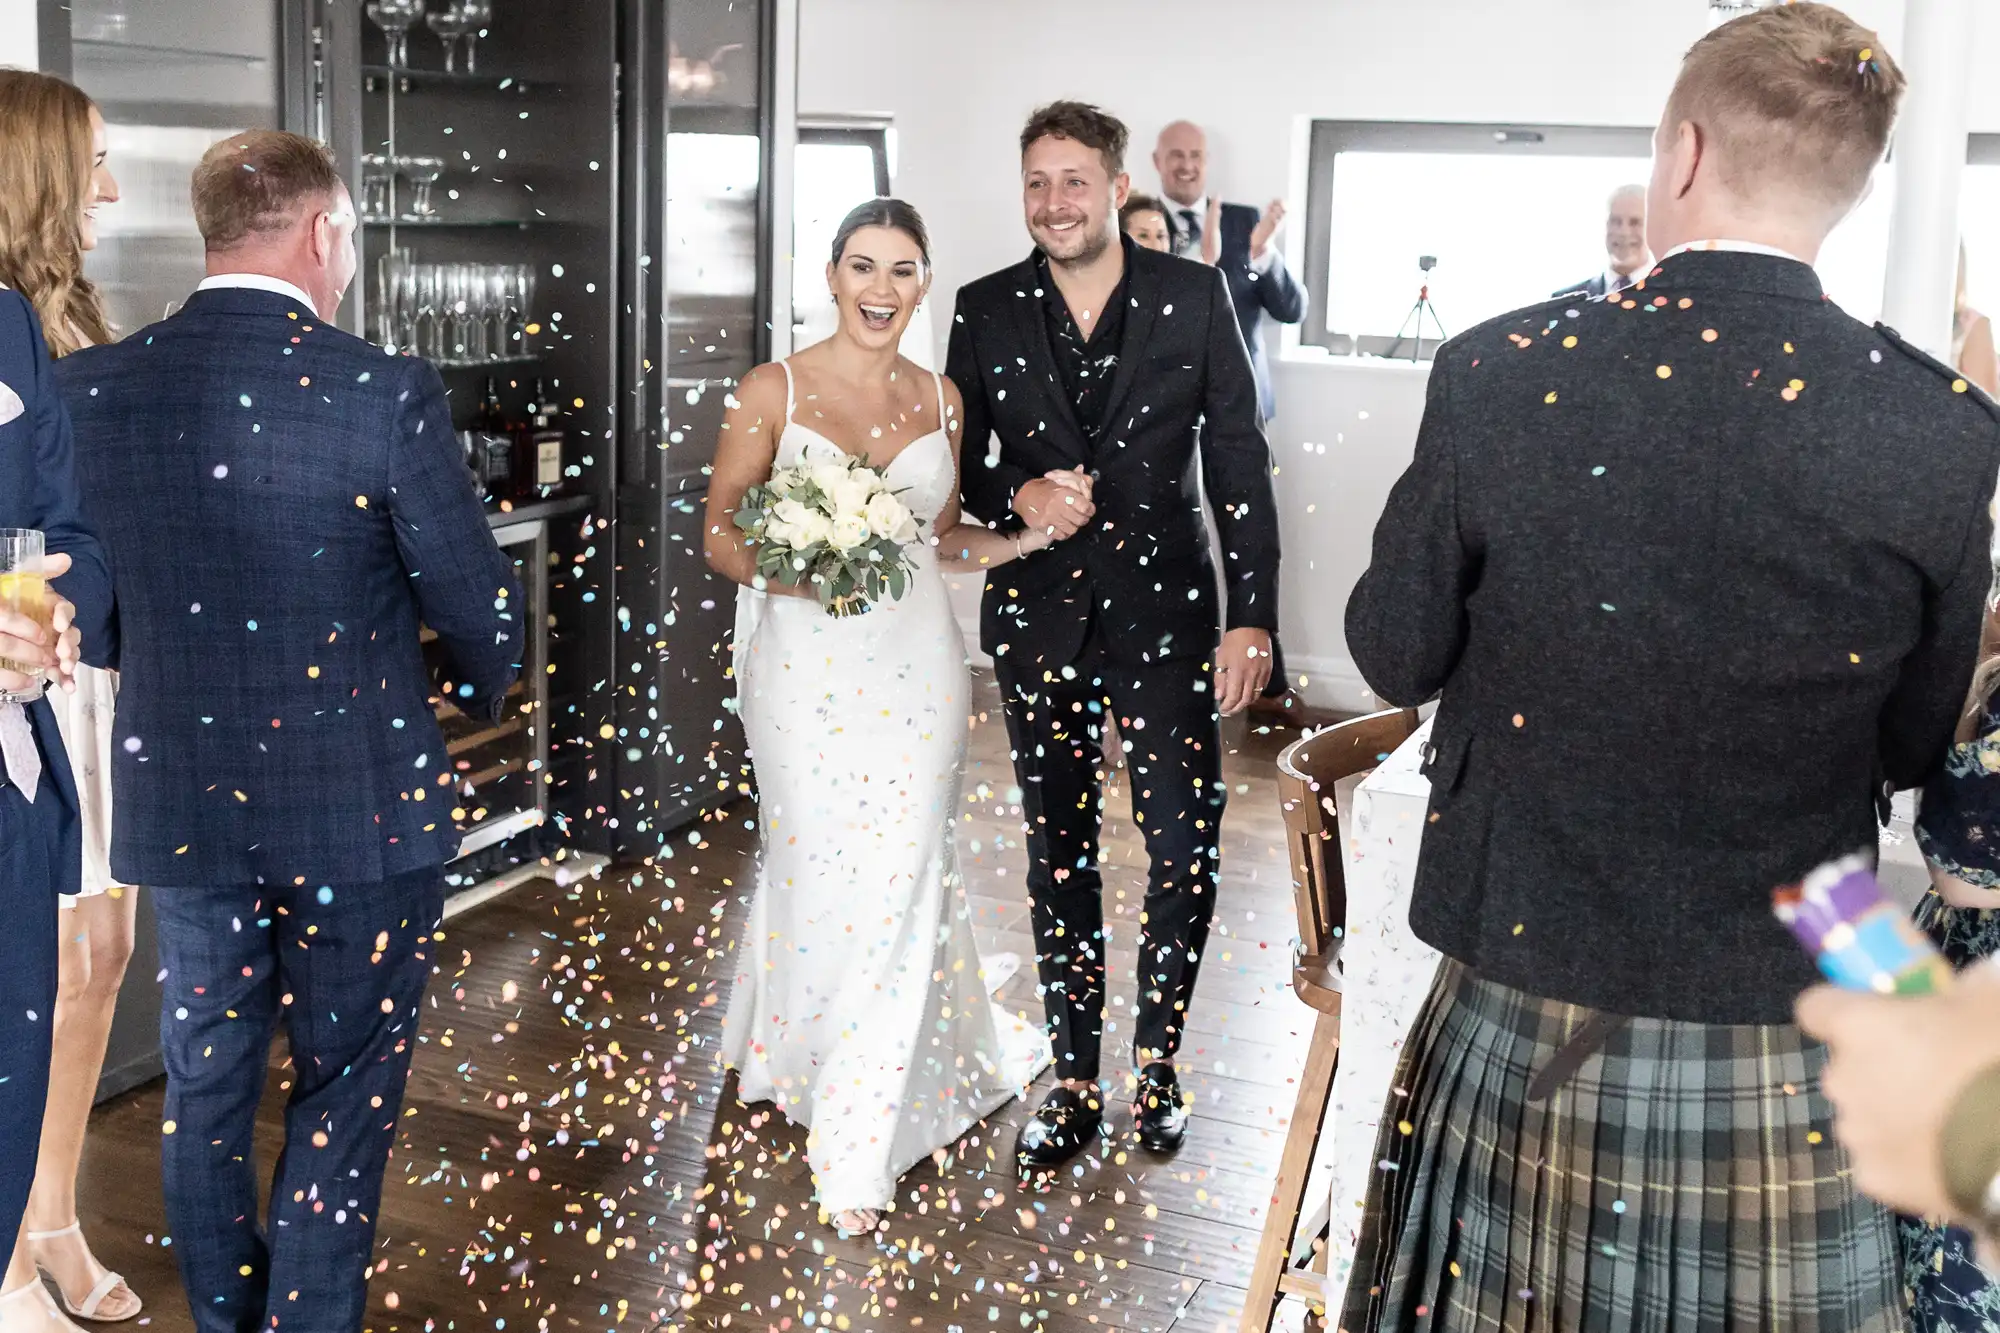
(1085, 124)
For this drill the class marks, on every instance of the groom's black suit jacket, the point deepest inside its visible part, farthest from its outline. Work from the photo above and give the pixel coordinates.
(1141, 570)
(1696, 580)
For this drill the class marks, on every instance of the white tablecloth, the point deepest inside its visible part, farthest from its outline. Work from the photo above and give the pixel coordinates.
(1386, 970)
(1385, 973)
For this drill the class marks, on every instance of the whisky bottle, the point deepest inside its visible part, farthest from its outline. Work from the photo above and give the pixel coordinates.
(492, 444)
(546, 439)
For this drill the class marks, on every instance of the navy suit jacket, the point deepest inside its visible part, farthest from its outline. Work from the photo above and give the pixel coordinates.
(1254, 295)
(282, 502)
(38, 490)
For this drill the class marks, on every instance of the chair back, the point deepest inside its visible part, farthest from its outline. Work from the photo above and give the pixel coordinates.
(1307, 771)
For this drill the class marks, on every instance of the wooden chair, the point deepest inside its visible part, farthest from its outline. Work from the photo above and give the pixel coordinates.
(1307, 772)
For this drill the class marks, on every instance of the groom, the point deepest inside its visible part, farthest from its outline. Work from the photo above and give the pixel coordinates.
(1095, 353)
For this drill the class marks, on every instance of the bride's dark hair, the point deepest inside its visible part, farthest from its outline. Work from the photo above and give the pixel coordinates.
(891, 213)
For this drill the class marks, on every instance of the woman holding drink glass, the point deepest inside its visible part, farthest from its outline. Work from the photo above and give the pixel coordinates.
(53, 177)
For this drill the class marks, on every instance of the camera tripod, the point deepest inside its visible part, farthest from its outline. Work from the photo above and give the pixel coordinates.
(1417, 314)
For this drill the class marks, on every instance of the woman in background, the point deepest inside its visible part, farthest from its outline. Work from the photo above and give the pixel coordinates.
(52, 179)
(1958, 829)
(1972, 351)
(1144, 219)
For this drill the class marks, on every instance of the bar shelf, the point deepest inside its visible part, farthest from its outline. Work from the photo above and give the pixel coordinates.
(375, 78)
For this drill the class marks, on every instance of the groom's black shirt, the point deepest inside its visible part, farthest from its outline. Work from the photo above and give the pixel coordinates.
(1177, 420)
(1086, 364)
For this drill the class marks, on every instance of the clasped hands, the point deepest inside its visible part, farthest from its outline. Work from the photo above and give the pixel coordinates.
(1057, 504)
(25, 639)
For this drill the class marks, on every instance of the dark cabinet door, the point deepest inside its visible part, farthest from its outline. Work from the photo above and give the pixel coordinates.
(696, 158)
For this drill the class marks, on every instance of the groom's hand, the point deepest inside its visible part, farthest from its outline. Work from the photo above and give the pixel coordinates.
(1057, 510)
(1242, 669)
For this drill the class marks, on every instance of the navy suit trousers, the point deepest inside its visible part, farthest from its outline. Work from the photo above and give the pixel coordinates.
(343, 968)
(27, 990)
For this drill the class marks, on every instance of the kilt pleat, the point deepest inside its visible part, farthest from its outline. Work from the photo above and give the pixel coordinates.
(1685, 1180)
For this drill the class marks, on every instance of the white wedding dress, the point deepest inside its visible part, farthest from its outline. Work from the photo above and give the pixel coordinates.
(860, 1006)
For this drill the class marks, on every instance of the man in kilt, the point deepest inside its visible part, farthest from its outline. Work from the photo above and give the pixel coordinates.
(1697, 571)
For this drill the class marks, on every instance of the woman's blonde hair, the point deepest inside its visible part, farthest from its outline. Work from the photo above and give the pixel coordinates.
(46, 164)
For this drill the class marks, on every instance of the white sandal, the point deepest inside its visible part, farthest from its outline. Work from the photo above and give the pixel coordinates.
(107, 1284)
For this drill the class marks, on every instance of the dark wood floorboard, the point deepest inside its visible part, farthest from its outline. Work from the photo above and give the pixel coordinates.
(572, 1157)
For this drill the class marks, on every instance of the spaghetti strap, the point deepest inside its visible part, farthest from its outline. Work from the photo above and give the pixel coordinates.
(937, 381)
(790, 407)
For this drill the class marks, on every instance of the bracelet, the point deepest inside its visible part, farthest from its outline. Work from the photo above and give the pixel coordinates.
(1017, 546)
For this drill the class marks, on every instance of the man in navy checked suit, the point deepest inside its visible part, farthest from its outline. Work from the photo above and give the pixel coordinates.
(286, 502)
(41, 854)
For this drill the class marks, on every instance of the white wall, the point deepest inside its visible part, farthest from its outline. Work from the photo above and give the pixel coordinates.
(959, 77)
(18, 35)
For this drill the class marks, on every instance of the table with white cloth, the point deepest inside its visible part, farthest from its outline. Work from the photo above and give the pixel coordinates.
(1386, 971)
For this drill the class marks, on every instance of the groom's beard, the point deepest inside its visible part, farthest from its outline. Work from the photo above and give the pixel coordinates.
(1073, 250)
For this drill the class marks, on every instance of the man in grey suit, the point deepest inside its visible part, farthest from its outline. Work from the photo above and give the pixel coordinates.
(1235, 238)
(1626, 257)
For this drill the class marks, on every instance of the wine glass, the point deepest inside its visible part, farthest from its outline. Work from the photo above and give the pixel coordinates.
(394, 18)
(497, 284)
(376, 174)
(422, 173)
(404, 299)
(430, 320)
(388, 292)
(478, 13)
(522, 301)
(450, 24)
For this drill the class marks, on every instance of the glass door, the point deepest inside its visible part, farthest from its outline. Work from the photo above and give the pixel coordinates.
(171, 77)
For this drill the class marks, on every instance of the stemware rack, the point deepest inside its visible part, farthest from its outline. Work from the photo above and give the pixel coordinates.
(503, 148)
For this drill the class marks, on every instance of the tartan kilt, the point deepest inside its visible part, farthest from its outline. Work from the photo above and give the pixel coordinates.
(1684, 1180)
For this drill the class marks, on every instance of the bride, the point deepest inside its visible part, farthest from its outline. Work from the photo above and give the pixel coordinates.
(860, 1006)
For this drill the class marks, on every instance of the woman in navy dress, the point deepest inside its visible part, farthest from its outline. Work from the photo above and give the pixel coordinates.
(1959, 831)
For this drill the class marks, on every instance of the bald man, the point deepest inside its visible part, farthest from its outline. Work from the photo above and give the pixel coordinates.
(1627, 257)
(1235, 238)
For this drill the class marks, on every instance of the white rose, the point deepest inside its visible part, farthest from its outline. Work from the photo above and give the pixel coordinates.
(850, 531)
(789, 513)
(906, 531)
(814, 527)
(887, 515)
(850, 494)
(777, 532)
(827, 476)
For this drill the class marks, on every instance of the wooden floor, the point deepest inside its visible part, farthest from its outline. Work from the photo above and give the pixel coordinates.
(531, 1186)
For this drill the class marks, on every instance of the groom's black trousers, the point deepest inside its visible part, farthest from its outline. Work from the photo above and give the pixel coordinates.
(1168, 728)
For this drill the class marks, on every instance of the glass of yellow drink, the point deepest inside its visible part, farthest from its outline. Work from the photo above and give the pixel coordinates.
(24, 589)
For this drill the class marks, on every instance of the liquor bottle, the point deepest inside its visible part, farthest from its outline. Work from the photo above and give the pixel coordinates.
(492, 444)
(545, 446)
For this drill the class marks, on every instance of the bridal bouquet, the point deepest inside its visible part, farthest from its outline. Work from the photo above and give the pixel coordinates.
(833, 526)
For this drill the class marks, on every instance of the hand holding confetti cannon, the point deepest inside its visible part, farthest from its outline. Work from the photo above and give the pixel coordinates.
(1861, 939)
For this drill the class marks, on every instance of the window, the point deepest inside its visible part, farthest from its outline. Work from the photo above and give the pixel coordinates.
(1514, 213)
(838, 166)
(1510, 213)
(1980, 211)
